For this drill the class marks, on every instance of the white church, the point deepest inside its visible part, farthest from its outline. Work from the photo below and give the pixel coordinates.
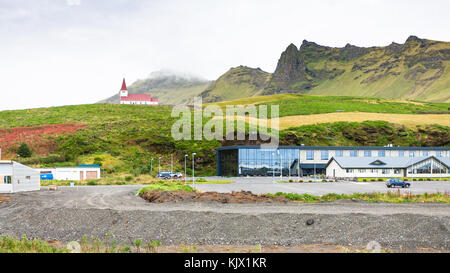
(142, 99)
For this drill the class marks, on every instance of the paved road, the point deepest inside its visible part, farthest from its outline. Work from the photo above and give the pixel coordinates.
(267, 185)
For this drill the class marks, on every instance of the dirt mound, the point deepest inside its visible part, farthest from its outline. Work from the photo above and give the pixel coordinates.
(234, 197)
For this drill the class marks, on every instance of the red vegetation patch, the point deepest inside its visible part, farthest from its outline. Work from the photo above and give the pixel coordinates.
(39, 138)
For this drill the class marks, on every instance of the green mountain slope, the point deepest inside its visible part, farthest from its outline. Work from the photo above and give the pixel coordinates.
(417, 69)
(169, 88)
(238, 82)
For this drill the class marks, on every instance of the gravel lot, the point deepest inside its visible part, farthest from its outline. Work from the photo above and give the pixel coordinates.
(70, 213)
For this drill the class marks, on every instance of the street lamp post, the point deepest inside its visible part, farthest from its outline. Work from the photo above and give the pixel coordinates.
(151, 166)
(185, 177)
(193, 169)
(171, 168)
(159, 164)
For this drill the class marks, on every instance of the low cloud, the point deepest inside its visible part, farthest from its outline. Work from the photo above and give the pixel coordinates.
(73, 2)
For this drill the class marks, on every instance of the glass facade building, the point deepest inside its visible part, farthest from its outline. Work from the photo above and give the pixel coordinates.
(302, 160)
(267, 162)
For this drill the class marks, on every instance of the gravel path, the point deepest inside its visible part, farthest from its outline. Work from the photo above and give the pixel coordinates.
(70, 213)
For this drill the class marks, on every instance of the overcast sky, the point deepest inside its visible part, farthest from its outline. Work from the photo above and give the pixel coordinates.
(60, 52)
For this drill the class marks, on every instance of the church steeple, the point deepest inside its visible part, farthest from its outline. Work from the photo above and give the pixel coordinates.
(124, 90)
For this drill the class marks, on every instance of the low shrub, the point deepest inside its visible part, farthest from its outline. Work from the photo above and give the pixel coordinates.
(92, 182)
(201, 180)
(128, 178)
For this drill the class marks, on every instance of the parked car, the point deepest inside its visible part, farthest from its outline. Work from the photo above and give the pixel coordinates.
(168, 174)
(177, 175)
(397, 183)
(164, 174)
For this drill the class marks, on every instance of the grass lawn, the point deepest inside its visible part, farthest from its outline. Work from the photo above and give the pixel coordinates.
(166, 186)
(87, 245)
(404, 178)
(390, 197)
(204, 181)
(305, 181)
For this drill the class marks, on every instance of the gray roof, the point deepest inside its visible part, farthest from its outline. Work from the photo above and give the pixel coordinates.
(393, 148)
(386, 162)
(445, 160)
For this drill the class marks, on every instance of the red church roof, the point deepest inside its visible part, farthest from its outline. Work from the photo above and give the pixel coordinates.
(124, 86)
(138, 97)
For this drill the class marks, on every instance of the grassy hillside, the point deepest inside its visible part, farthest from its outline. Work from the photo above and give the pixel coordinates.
(124, 138)
(238, 82)
(307, 105)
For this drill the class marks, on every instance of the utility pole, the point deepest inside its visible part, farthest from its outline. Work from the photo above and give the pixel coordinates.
(171, 168)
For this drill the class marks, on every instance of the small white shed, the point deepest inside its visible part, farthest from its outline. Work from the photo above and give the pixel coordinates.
(15, 177)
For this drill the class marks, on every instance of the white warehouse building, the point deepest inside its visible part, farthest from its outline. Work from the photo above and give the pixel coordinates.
(82, 172)
(15, 177)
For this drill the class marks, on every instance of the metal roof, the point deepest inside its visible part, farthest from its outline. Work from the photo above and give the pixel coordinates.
(383, 162)
(333, 148)
(138, 97)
